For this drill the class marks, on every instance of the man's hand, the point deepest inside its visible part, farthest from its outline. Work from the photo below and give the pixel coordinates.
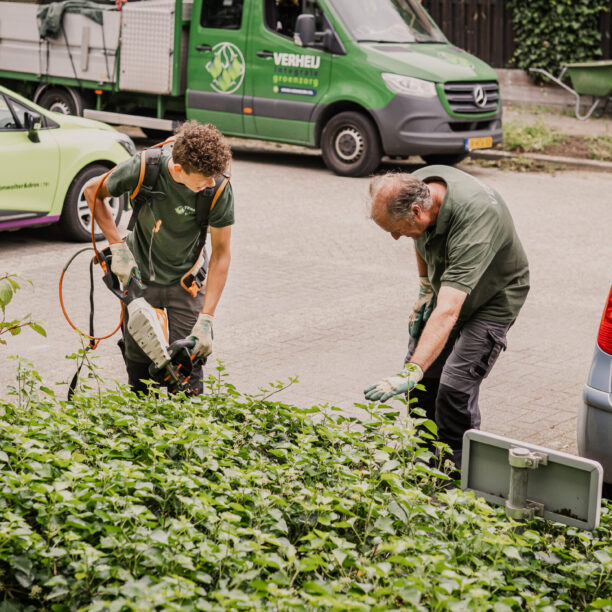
(123, 263)
(203, 335)
(394, 385)
(422, 307)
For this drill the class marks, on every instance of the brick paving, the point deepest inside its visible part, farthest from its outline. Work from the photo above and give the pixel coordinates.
(317, 291)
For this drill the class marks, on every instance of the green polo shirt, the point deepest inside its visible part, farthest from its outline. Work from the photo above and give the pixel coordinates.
(474, 247)
(164, 256)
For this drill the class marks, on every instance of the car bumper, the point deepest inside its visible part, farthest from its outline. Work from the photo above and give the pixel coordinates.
(594, 429)
(415, 126)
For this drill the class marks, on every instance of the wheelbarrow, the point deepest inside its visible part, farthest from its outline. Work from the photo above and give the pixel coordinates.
(588, 79)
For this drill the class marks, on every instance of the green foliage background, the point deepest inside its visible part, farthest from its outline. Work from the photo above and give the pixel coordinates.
(550, 33)
(224, 501)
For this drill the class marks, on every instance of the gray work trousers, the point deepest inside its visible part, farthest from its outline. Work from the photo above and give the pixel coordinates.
(182, 310)
(452, 382)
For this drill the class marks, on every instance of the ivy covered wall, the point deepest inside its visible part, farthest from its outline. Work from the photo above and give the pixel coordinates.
(549, 33)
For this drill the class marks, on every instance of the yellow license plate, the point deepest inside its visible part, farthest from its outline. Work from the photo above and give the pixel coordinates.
(483, 142)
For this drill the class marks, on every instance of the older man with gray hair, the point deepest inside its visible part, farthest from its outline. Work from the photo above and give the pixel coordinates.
(474, 278)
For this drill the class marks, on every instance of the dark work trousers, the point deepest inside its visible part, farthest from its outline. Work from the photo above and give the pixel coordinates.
(452, 382)
(182, 310)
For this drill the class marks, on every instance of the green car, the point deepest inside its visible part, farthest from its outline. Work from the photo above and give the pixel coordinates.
(46, 159)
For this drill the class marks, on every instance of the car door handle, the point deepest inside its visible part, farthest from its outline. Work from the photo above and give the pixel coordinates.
(266, 54)
(203, 48)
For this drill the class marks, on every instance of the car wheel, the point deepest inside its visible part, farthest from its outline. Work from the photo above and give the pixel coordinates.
(62, 101)
(75, 221)
(350, 144)
(444, 159)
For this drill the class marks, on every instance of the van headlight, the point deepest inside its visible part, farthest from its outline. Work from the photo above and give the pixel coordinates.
(409, 85)
(126, 142)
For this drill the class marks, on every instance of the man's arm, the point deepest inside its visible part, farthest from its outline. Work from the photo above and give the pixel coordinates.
(421, 263)
(218, 267)
(103, 214)
(439, 326)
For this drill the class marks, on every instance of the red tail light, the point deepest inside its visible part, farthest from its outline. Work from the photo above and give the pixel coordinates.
(604, 338)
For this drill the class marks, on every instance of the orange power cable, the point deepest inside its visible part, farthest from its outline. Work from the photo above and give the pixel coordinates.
(94, 340)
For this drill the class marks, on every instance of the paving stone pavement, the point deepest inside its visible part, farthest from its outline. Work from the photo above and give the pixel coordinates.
(318, 291)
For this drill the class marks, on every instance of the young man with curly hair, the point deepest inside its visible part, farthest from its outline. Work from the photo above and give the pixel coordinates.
(164, 244)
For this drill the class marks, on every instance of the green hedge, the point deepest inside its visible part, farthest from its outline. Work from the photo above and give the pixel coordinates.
(550, 33)
(225, 501)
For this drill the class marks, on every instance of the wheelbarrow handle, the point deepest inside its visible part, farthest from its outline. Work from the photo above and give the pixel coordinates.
(555, 79)
(559, 82)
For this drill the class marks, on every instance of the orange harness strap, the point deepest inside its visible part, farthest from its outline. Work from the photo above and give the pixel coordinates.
(143, 167)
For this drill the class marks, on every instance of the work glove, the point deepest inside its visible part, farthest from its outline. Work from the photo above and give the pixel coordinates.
(123, 264)
(422, 308)
(395, 385)
(202, 333)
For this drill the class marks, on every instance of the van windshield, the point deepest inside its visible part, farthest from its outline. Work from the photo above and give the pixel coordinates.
(387, 21)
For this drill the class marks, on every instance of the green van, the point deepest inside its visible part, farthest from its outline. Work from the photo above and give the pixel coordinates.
(358, 78)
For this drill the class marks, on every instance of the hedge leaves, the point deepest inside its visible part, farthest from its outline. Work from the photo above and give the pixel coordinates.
(111, 502)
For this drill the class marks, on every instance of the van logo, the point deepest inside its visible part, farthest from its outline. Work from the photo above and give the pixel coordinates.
(480, 96)
(297, 60)
(226, 68)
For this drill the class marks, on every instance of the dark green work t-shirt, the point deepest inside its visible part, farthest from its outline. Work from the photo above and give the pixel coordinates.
(165, 255)
(474, 247)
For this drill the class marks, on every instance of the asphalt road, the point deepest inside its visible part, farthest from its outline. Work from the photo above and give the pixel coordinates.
(317, 290)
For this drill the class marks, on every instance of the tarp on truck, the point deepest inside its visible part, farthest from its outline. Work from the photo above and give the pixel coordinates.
(85, 49)
(50, 16)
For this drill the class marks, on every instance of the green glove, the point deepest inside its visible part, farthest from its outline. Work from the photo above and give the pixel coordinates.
(422, 308)
(203, 335)
(395, 385)
(123, 263)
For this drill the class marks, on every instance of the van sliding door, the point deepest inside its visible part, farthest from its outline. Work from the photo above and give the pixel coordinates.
(216, 63)
(285, 82)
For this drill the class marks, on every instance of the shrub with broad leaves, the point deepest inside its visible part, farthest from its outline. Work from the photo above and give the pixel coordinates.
(237, 502)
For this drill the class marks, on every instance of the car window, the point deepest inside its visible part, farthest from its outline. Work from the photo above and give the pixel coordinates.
(281, 15)
(7, 120)
(20, 110)
(222, 14)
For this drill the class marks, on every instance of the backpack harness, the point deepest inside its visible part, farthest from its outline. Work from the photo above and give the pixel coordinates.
(150, 165)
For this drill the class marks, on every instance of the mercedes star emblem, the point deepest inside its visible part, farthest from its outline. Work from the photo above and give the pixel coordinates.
(480, 96)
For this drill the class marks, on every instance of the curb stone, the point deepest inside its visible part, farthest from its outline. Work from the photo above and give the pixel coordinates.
(574, 162)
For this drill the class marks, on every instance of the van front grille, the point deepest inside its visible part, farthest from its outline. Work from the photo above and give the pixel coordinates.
(471, 126)
(474, 97)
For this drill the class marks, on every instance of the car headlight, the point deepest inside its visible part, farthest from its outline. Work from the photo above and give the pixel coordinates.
(126, 142)
(409, 85)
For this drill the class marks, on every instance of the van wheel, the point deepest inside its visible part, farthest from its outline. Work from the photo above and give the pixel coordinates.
(61, 100)
(444, 159)
(350, 145)
(75, 221)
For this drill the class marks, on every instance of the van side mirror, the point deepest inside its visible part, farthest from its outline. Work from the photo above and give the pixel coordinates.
(32, 123)
(304, 35)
